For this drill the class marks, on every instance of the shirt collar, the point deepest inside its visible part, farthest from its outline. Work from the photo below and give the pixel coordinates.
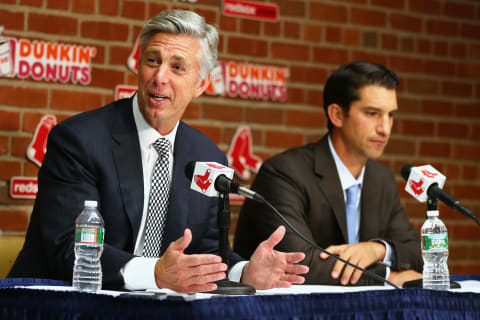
(346, 178)
(146, 133)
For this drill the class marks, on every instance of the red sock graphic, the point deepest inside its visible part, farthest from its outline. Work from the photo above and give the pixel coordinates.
(38, 147)
(240, 155)
(133, 59)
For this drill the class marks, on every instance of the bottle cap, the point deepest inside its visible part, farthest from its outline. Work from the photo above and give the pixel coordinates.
(432, 213)
(90, 203)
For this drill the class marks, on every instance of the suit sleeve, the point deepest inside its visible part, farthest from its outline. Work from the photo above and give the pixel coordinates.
(68, 177)
(285, 191)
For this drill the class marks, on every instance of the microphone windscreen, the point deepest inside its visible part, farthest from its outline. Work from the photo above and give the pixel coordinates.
(189, 169)
(406, 170)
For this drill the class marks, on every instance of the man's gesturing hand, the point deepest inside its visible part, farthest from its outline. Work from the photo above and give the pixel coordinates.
(188, 273)
(362, 254)
(269, 268)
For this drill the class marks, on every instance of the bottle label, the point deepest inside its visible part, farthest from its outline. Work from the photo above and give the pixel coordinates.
(435, 242)
(89, 235)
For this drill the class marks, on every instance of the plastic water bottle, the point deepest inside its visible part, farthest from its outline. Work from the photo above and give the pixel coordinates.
(89, 232)
(435, 253)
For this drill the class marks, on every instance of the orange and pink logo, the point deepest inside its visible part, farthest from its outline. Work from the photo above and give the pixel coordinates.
(42, 60)
(249, 81)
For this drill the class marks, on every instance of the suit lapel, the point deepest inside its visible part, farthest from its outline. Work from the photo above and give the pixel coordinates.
(370, 205)
(126, 154)
(179, 192)
(330, 183)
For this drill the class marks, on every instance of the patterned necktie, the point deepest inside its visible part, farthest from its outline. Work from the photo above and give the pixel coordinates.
(352, 198)
(158, 201)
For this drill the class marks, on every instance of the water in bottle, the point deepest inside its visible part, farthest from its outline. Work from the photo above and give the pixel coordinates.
(89, 232)
(435, 253)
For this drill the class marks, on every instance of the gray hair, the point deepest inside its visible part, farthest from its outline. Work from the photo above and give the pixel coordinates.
(185, 23)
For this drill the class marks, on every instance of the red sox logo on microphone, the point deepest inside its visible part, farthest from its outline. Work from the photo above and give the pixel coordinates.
(203, 181)
(417, 186)
(38, 147)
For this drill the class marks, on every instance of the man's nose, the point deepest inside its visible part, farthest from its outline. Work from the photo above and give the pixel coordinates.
(384, 125)
(161, 75)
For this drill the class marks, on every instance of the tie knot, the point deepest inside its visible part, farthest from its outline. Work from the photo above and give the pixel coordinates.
(162, 146)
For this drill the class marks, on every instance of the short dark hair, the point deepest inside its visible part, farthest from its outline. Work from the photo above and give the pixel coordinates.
(343, 85)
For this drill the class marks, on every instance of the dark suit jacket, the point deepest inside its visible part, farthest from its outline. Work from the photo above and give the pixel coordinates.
(96, 156)
(303, 184)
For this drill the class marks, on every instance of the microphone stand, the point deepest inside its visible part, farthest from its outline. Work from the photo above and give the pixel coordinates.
(226, 286)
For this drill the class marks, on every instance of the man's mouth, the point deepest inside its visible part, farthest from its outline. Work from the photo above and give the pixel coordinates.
(158, 97)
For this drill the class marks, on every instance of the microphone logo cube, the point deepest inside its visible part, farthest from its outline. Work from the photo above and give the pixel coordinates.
(421, 178)
(205, 174)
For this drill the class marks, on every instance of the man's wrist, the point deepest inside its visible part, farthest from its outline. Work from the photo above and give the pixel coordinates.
(380, 249)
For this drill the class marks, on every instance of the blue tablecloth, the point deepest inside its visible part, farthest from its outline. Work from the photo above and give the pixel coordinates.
(20, 303)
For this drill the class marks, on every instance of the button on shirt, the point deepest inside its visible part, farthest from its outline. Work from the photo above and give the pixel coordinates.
(347, 180)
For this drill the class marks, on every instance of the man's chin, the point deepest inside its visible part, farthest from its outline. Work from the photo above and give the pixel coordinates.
(375, 155)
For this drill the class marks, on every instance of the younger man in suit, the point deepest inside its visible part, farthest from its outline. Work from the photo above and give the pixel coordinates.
(113, 154)
(335, 193)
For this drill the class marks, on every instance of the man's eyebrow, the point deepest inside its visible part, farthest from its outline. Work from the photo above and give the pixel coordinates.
(372, 108)
(179, 58)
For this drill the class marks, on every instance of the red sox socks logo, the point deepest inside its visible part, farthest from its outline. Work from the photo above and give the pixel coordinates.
(240, 156)
(203, 182)
(133, 59)
(38, 147)
(417, 186)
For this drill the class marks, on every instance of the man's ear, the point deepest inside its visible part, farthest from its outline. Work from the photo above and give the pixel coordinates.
(202, 86)
(336, 115)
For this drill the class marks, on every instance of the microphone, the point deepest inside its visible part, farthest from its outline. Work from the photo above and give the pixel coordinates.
(212, 178)
(202, 174)
(425, 181)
